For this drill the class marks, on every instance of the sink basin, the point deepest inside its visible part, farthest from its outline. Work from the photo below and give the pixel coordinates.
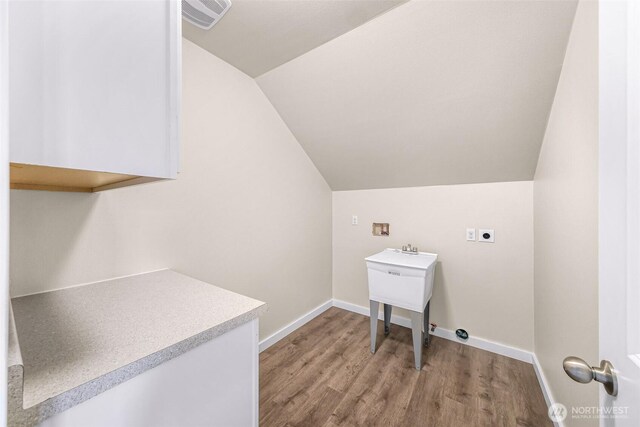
(401, 279)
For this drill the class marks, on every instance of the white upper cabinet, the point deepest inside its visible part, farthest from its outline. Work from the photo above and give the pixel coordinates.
(94, 87)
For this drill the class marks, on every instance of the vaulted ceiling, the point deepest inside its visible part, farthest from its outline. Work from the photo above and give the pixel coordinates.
(256, 36)
(428, 93)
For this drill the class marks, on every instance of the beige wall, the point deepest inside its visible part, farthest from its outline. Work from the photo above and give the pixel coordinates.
(249, 211)
(484, 288)
(566, 219)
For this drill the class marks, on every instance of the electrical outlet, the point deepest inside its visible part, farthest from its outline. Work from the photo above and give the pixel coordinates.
(354, 220)
(471, 234)
(486, 235)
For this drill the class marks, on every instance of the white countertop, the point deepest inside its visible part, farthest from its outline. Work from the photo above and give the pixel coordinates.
(76, 343)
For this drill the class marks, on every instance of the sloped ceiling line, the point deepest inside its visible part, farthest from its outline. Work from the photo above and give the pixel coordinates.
(428, 93)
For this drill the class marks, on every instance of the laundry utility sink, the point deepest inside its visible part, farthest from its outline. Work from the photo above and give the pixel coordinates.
(403, 279)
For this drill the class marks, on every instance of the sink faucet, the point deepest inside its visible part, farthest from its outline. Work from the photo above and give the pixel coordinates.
(410, 249)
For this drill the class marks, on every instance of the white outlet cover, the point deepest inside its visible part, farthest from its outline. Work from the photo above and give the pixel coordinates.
(471, 234)
(354, 220)
(491, 238)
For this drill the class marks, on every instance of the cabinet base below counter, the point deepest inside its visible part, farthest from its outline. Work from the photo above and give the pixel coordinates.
(213, 384)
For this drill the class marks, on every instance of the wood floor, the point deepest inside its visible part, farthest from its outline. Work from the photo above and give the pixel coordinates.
(324, 375)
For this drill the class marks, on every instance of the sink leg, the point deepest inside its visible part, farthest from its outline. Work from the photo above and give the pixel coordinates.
(427, 326)
(387, 318)
(374, 306)
(416, 329)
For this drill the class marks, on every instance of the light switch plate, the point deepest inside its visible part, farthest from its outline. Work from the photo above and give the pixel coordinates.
(354, 220)
(471, 234)
(486, 235)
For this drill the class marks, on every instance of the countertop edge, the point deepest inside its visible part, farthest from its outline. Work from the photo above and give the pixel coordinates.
(14, 356)
(68, 399)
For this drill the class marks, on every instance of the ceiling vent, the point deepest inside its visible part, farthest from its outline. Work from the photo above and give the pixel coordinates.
(204, 13)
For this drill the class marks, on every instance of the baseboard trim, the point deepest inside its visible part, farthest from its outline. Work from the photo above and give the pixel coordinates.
(291, 327)
(544, 385)
(481, 343)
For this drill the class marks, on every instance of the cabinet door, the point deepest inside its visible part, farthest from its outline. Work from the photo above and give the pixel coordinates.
(95, 85)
